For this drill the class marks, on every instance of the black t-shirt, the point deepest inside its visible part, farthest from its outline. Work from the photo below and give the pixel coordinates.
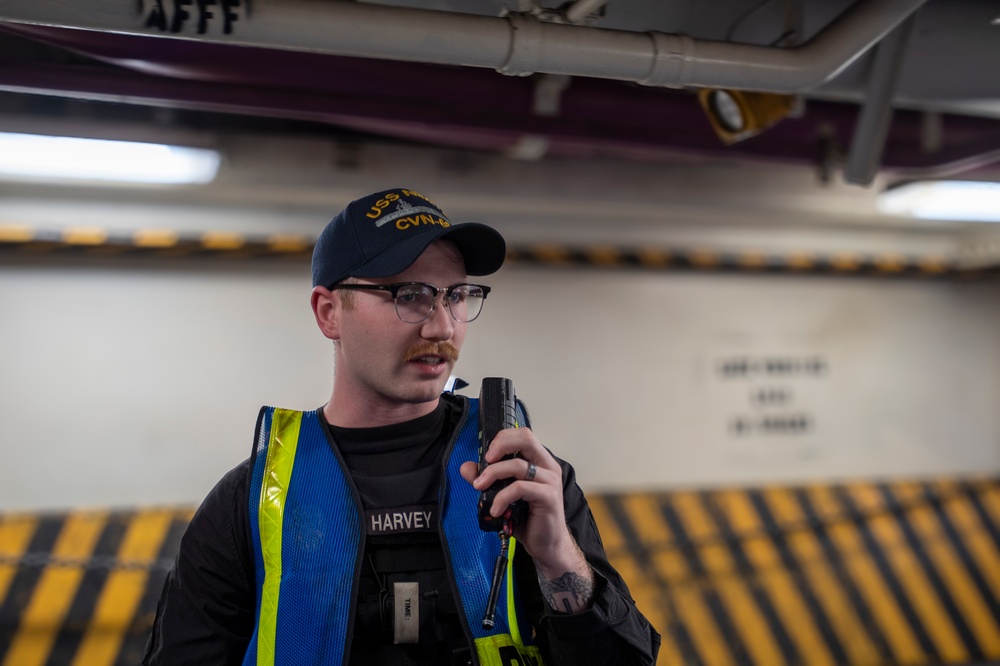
(397, 471)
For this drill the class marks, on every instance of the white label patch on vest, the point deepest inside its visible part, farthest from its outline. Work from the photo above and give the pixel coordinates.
(402, 520)
(406, 604)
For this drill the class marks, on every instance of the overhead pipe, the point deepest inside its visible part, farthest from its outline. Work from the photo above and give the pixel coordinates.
(948, 169)
(517, 44)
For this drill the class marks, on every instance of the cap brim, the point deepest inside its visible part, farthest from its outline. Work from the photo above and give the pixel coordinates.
(482, 248)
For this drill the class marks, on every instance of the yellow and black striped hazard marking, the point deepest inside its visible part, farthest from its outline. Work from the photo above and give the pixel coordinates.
(151, 243)
(861, 573)
(26, 242)
(711, 260)
(81, 588)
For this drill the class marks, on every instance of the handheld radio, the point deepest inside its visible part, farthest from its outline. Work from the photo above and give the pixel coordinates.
(497, 411)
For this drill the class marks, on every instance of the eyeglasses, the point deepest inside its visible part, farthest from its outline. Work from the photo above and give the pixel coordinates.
(415, 301)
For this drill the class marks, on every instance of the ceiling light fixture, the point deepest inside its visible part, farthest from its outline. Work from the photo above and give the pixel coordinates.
(965, 200)
(736, 115)
(57, 158)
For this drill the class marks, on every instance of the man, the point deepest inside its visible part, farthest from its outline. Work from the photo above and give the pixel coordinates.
(351, 534)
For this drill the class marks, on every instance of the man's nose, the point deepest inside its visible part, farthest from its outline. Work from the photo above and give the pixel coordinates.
(440, 325)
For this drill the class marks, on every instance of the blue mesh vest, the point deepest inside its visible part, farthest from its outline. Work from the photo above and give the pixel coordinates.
(308, 535)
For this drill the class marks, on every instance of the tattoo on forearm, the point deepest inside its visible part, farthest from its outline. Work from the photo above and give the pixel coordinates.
(570, 593)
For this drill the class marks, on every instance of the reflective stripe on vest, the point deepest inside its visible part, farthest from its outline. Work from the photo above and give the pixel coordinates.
(305, 520)
(283, 439)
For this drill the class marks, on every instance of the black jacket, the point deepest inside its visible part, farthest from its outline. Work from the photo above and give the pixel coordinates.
(206, 613)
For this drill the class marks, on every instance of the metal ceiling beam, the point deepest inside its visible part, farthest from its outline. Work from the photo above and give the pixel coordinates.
(872, 129)
(516, 44)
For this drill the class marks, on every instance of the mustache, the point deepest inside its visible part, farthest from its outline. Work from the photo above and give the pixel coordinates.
(445, 350)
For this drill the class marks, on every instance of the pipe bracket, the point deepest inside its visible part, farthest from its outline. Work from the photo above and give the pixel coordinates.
(525, 45)
(672, 55)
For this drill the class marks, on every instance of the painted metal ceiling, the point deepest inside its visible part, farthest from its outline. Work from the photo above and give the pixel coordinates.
(482, 109)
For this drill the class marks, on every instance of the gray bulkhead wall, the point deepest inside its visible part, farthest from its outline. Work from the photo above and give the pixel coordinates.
(131, 386)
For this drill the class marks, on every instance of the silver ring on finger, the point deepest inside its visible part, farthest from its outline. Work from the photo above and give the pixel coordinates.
(532, 470)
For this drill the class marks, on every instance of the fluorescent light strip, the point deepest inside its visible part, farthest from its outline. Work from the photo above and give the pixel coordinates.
(36, 157)
(960, 200)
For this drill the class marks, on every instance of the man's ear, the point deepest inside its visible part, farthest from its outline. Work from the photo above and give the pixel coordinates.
(326, 307)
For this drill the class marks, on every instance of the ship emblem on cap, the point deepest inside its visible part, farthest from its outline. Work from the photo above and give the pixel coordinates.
(404, 208)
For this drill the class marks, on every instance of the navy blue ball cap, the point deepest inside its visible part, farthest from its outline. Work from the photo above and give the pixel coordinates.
(383, 233)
